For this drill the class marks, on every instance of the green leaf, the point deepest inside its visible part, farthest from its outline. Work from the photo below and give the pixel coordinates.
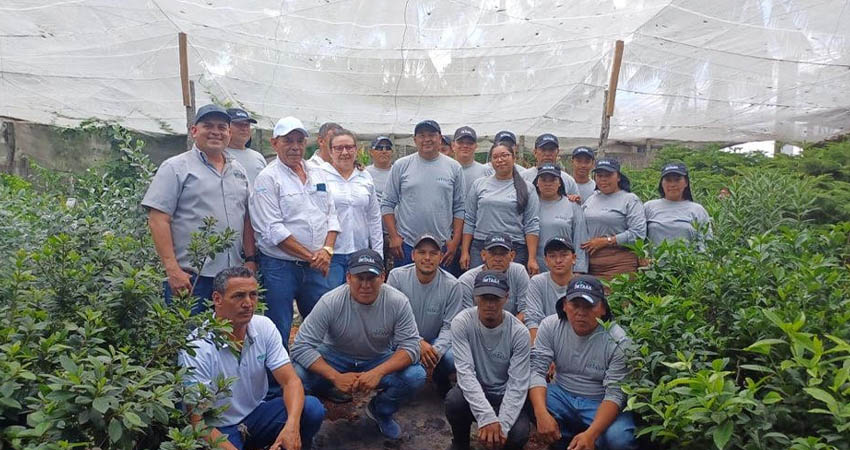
(763, 346)
(115, 430)
(822, 395)
(133, 419)
(101, 404)
(771, 398)
(722, 434)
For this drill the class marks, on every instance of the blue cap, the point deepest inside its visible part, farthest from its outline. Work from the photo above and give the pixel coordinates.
(584, 151)
(544, 139)
(378, 140)
(240, 115)
(677, 168)
(505, 135)
(463, 132)
(607, 165)
(558, 242)
(498, 240)
(432, 124)
(586, 287)
(211, 110)
(491, 282)
(366, 260)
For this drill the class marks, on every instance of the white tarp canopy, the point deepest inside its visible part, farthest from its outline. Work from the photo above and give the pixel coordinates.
(696, 70)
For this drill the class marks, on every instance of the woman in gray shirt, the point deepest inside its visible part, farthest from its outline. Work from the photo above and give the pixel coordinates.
(558, 215)
(501, 203)
(614, 217)
(672, 216)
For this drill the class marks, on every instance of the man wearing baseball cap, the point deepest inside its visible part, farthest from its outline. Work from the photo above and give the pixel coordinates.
(546, 150)
(187, 188)
(498, 255)
(464, 144)
(424, 194)
(362, 337)
(295, 219)
(446, 146)
(240, 134)
(434, 295)
(492, 359)
(545, 289)
(582, 163)
(382, 160)
(582, 407)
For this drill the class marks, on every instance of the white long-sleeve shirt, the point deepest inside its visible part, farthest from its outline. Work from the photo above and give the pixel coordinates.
(282, 206)
(358, 211)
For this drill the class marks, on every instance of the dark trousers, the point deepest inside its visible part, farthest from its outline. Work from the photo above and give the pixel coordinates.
(477, 246)
(264, 423)
(460, 418)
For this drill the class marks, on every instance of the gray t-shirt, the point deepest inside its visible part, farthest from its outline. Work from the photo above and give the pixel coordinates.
(619, 214)
(379, 176)
(517, 283)
(569, 182)
(585, 190)
(251, 160)
(491, 207)
(434, 304)
(562, 218)
(543, 293)
(189, 189)
(363, 332)
(591, 366)
(425, 196)
(492, 361)
(667, 220)
(473, 172)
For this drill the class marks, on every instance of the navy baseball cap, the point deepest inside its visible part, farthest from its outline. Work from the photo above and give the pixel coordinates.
(429, 124)
(211, 110)
(677, 168)
(544, 139)
(498, 240)
(240, 115)
(558, 243)
(381, 139)
(463, 132)
(447, 140)
(549, 168)
(429, 237)
(491, 282)
(366, 260)
(586, 287)
(587, 151)
(607, 165)
(505, 135)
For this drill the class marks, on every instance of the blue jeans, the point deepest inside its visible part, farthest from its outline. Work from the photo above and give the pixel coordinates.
(287, 280)
(266, 420)
(444, 368)
(394, 389)
(203, 291)
(338, 269)
(574, 414)
(453, 267)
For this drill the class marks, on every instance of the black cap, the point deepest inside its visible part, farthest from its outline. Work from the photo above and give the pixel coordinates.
(586, 287)
(558, 243)
(380, 139)
(504, 135)
(491, 282)
(447, 140)
(240, 115)
(607, 165)
(587, 151)
(498, 240)
(551, 169)
(211, 110)
(429, 237)
(427, 124)
(463, 132)
(677, 168)
(544, 139)
(366, 260)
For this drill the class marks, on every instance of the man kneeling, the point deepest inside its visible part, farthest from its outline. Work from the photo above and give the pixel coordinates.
(582, 405)
(362, 337)
(492, 362)
(289, 424)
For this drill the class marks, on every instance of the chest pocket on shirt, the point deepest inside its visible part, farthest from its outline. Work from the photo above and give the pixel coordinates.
(319, 198)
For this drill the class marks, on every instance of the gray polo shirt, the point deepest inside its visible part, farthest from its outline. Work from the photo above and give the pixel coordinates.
(474, 171)
(379, 176)
(363, 332)
(569, 182)
(591, 366)
(619, 214)
(585, 190)
(188, 188)
(434, 304)
(517, 283)
(425, 196)
(543, 293)
(492, 361)
(667, 220)
(251, 160)
(562, 218)
(491, 207)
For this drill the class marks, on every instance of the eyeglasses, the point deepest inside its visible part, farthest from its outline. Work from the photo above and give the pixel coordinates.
(344, 148)
(501, 156)
(384, 148)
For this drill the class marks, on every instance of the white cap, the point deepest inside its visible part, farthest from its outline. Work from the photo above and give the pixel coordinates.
(287, 125)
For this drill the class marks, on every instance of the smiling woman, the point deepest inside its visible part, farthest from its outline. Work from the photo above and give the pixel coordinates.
(673, 216)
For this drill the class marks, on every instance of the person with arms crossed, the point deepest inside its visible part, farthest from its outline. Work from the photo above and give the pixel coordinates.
(498, 255)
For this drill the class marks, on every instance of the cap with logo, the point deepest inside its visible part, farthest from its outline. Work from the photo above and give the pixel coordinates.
(677, 168)
(428, 237)
(586, 287)
(365, 261)
(210, 111)
(429, 124)
(498, 240)
(544, 139)
(287, 125)
(465, 132)
(550, 169)
(382, 140)
(558, 243)
(505, 135)
(607, 165)
(240, 115)
(491, 282)
(586, 151)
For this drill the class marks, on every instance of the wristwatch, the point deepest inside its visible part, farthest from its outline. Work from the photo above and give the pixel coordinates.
(252, 258)
(611, 240)
(328, 249)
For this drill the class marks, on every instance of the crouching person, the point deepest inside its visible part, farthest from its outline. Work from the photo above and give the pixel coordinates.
(582, 406)
(492, 362)
(362, 337)
(289, 423)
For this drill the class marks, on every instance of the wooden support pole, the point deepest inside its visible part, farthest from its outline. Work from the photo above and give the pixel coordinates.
(615, 77)
(606, 126)
(9, 137)
(187, 86)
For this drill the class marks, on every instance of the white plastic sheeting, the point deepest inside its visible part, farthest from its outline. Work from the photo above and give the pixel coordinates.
(696, 70)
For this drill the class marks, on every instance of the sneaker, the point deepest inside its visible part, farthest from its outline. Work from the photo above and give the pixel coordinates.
(334, 395)
(388, 427)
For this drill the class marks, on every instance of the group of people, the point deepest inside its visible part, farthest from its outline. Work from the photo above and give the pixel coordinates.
(494, 281)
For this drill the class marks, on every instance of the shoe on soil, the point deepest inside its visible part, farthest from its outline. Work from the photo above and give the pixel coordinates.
(388, 427)
(334, 395)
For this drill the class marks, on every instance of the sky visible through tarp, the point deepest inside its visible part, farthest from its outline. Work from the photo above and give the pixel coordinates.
(693, 70)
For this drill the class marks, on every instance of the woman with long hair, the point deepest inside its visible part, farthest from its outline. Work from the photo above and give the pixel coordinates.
(615, 217)
(501, 203)
(672, 216)
(558, 215)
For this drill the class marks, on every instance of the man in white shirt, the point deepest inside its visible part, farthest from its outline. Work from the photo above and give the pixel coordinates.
(289, 422)
(323, 140)
(240, 135)
(296, 223)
